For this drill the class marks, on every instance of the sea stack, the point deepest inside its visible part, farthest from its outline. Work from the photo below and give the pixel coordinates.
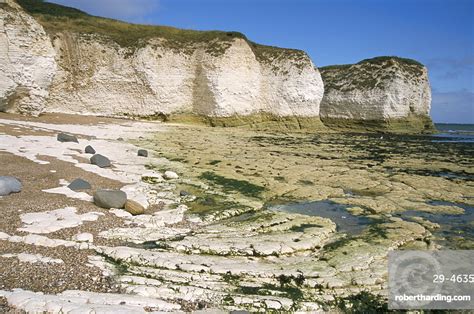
(387, 94)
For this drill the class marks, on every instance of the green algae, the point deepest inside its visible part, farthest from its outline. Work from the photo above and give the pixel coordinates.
(413, 124)
(372, 73)
(233, 185)
(362, 302)
(257, 121)
(214, 162)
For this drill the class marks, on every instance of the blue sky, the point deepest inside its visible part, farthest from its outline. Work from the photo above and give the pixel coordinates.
(438, 33)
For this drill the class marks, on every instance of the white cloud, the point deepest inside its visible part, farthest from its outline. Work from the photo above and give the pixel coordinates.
(129, 10)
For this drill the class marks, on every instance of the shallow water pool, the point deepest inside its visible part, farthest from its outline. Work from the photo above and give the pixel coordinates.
(455, 230)
(344, 220)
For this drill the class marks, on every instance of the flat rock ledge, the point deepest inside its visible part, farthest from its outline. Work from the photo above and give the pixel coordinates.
(74, 301)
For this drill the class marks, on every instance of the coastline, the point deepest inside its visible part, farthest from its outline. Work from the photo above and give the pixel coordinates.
(231, 176)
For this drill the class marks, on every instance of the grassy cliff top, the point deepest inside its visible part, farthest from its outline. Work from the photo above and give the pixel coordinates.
(56, 18)
(371, 73)
(382, 59)
(375, 61)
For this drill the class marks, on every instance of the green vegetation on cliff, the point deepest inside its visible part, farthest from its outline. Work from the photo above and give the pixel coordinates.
(370, 73)
(375, 60)
(382, 59)
(257, 121)
(269, 54)
(413, 124)
(56, 18)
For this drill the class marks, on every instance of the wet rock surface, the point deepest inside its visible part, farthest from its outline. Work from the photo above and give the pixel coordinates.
(222, 245)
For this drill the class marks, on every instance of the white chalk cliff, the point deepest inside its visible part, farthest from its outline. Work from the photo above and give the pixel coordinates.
(27, 61)
(46, 69)
(59, 59)
(380, 93)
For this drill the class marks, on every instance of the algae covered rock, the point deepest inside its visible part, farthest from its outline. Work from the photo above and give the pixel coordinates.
(379, 94)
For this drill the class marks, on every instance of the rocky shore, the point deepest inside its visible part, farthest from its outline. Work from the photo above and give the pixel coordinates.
(135, 216)
(211, 236)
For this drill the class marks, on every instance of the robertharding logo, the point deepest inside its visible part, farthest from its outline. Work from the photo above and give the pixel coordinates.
(411, 274)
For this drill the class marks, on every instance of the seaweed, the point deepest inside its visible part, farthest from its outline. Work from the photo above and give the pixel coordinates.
(233, 185)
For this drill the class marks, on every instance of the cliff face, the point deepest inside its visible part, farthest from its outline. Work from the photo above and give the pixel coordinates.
(27, 61)
(59, 59)
(384, 93)
(88, 65)
(97, 76)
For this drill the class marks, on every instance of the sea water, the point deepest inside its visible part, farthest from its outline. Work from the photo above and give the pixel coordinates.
(449, 132)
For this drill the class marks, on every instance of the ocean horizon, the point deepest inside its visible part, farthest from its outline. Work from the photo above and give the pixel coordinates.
(454, 132)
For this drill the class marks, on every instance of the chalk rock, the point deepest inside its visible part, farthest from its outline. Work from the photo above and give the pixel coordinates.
(27, 61)
(169, 175)
(222, 76)
(383, 93)
(84, 237)
(238, 80)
